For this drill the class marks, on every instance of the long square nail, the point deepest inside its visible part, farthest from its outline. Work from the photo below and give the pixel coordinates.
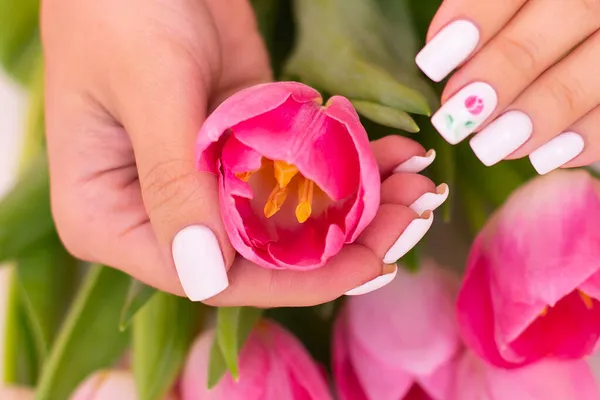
(448, 49)
(502, 137)
(465, 111)
(199, 262)
(557, 152)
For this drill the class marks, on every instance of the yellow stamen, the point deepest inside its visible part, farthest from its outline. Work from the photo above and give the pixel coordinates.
(306, 190)
(284, 172)
(275, 201)
(544, 311)
(587, 300)
(244, 176)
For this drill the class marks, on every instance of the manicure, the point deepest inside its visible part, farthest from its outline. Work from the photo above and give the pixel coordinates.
(431, 201)
(416, 164)
(388, 275)
(448, 49)
(199, 262)
(502, 137)
(465, 111)
(413, 233)
(557, 152)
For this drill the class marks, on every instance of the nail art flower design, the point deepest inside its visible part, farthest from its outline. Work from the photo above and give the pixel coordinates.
(474, 105)
(293, 174)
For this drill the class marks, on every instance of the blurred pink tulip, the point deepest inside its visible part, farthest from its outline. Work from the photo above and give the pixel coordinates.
(399, 342)
(545, 380)
(273, 366)
(533, 278)
(297, 179)
(109, 385)
(16, 393)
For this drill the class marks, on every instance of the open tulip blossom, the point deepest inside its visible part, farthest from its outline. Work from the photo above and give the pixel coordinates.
(532, 286)
(297, 179)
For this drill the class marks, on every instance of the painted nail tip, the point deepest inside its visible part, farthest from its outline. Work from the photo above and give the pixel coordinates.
(431, 201)
(414, 232)
(416, 164)
(196, 296)
(373, 285)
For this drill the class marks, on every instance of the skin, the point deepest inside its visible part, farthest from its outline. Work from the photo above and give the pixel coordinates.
(541, 57)
(128, 86)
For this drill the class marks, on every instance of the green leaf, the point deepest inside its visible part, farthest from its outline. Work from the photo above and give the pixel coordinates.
(19, 37)
(89, 339)
(46, 274)
(386, 116)
(21, 365)
(349, 47)
(412, 260)
(163, 332)
(234, 324)
(25, 216)
(138, 295)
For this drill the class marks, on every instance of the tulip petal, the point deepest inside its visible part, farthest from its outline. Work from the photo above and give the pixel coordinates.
(373, 379)
(245, 105)
(340, 109)
(548, 380)
(426, 299)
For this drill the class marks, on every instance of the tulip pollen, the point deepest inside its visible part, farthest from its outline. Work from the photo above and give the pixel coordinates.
(275, 201)
(544, 311)
(306, 189)
(244, 176)
(587, 300)
(284, 173)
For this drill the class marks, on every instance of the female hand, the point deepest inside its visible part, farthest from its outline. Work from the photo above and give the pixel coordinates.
(128, 86)
(528, 78)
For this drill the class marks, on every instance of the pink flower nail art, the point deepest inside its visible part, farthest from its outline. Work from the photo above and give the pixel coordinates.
(474, 104)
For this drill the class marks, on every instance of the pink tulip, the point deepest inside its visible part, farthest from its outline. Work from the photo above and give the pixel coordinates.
(109, 385)
(273, 366)
(474, 105)
(400, 340)
(533, 278)
(545, 380)
(297, 179)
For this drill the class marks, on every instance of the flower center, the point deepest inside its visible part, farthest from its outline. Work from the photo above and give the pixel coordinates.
(587, 301)
(284, 175)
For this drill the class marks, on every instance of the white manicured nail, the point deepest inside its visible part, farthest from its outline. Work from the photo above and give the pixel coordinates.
(502, 137)
(416, 164)
(373, 285)
(557, 152)
(413, 233)
(448, 49)
(199, 262)
(465, 111)
(431, 201)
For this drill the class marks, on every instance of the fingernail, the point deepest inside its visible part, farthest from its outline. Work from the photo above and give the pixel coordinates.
(502, 137)
(557, 152)
(448, 49)
(413, 233)
(465, 111)
(199, 262)
(431, 201)
(389, 273)
(416, 164)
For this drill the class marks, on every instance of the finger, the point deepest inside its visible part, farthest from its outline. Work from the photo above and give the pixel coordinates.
(397, 153)
(417, 192)
(459, 28)
(561, 96)
(578, 146)
(508, 64)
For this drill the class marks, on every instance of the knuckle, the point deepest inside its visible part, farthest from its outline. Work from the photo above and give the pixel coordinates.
(169, 185)
(521, 54)
(568, 95)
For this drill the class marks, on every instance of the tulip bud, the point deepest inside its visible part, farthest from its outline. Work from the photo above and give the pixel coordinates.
(273, 365)
(109, 385)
